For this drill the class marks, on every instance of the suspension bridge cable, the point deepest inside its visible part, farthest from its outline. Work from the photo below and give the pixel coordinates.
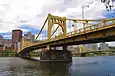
(45, 32)
(55, 30)
(70, 25)
(42, 27)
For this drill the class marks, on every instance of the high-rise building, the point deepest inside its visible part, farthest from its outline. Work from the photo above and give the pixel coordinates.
(1, 37)
(104, 46)
(16, 37)
(29, 36)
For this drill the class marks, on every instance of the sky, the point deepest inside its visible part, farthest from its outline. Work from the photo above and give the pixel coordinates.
(29, 15)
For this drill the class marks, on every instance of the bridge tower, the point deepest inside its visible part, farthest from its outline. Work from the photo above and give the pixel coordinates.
(56, 55)
(61, 21)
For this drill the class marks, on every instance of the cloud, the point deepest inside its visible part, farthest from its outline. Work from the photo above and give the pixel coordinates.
(32, 13)
(15, 13)
(111, 43)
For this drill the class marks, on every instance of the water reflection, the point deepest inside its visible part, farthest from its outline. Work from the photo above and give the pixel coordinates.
(22, 67)
(81, 66)
(55, 69)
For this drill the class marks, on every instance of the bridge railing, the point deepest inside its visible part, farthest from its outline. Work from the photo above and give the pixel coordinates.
(102, 24)
(92, 25)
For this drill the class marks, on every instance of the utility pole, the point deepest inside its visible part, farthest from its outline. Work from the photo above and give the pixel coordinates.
(83, 15)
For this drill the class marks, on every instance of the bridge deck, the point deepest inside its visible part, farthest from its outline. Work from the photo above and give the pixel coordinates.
(102, 32)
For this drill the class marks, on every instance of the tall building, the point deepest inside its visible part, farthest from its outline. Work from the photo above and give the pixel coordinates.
(104, 46)
(1, 37)
(29, 36)
(16, 37)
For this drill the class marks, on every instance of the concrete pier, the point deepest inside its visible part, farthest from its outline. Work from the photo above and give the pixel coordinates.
(83, 54)
(25, 55)
(55, 55)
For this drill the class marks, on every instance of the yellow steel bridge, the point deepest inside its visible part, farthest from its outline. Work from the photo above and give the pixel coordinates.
(93, 31)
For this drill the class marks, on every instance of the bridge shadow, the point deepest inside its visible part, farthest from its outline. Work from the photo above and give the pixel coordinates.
(30, 58)
(55, 69)
(50, 68)
(24, 67)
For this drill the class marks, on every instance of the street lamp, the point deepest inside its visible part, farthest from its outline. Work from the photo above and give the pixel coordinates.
(83, 16)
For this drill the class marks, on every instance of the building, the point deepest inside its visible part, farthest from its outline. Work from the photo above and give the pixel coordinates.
(1, 37)
(6, 43)
(29, 36)
(16, 35)
(104, 46)
(92, 46)
(1, 48)
(16, 38)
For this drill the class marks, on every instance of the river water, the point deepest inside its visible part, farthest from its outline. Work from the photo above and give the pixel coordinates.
(80, 66)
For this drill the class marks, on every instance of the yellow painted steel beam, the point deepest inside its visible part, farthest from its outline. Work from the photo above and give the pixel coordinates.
(54, 31)
(81, 19)
(61, 21)
(110, 19)
(101, 25)
(42, 28)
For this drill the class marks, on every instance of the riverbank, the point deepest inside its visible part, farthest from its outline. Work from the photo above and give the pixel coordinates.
(92, 54)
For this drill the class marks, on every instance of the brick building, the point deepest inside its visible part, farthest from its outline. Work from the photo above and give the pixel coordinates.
(1, 37)
(16, 38)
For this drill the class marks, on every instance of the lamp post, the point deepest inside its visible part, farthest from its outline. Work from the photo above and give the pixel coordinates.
(83, 15)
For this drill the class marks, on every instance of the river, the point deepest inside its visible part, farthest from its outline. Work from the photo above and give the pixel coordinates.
(80, 66)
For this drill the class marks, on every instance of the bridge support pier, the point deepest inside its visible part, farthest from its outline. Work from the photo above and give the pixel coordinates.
(83, 54)
(25, 55)
(56, 55)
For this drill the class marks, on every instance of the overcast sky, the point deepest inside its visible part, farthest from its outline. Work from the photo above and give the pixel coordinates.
(30, 15)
